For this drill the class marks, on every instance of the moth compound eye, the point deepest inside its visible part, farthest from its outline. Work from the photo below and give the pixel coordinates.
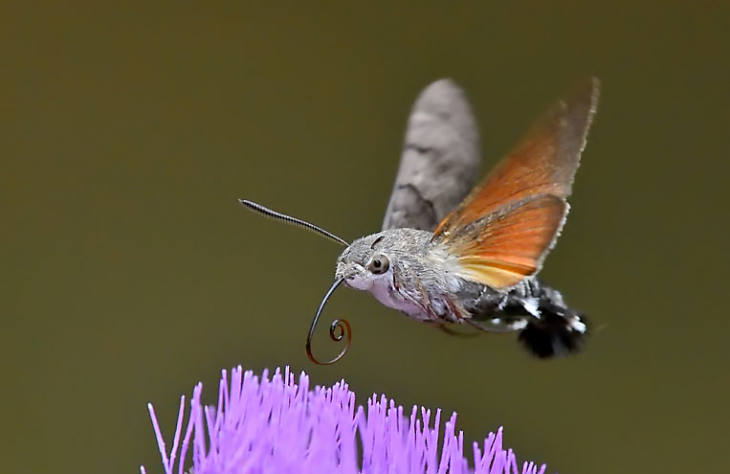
(379, 265)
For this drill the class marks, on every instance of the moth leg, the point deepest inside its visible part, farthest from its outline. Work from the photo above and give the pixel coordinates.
(456, 310)
(451, 332)
(424, 302)
(459, 317)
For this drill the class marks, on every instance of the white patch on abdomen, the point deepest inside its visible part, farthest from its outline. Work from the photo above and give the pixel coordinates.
(578, 325)
(531, 306)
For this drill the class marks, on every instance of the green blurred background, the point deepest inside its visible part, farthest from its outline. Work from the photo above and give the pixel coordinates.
(130, 271)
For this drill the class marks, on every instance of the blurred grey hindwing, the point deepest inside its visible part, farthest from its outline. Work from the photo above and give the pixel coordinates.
(449, 256)
(440, 160)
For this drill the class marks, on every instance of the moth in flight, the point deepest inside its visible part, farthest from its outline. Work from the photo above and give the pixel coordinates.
(449, 256)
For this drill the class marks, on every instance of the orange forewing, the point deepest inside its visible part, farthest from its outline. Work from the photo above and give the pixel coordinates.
(540, 171)
(544, 162)
(507, 246)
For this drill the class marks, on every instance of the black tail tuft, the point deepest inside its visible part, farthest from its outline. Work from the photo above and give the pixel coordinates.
(558, 332)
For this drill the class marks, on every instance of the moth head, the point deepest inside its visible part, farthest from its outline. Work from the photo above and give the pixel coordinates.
(364, 262)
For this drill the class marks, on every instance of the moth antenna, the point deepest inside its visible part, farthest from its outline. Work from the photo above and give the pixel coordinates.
(265, 211)
(338, 329)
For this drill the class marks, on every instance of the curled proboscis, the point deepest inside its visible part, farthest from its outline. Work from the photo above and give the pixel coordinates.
(339, 329)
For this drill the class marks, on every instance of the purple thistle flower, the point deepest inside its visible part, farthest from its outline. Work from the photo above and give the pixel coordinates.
(276, 425)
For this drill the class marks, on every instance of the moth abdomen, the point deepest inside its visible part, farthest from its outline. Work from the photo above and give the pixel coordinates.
(545, 325)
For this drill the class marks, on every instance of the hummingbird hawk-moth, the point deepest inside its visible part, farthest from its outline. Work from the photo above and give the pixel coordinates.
(444, 256)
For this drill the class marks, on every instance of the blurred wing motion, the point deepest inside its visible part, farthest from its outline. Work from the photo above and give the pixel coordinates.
(503, 230)
(440, 160)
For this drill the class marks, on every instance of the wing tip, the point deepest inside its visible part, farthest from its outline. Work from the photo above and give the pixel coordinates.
(445, 85)
(594, 93)
(445, 97)
(585, 99)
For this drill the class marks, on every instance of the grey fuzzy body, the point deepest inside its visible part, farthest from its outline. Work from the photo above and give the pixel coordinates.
(421, 283)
